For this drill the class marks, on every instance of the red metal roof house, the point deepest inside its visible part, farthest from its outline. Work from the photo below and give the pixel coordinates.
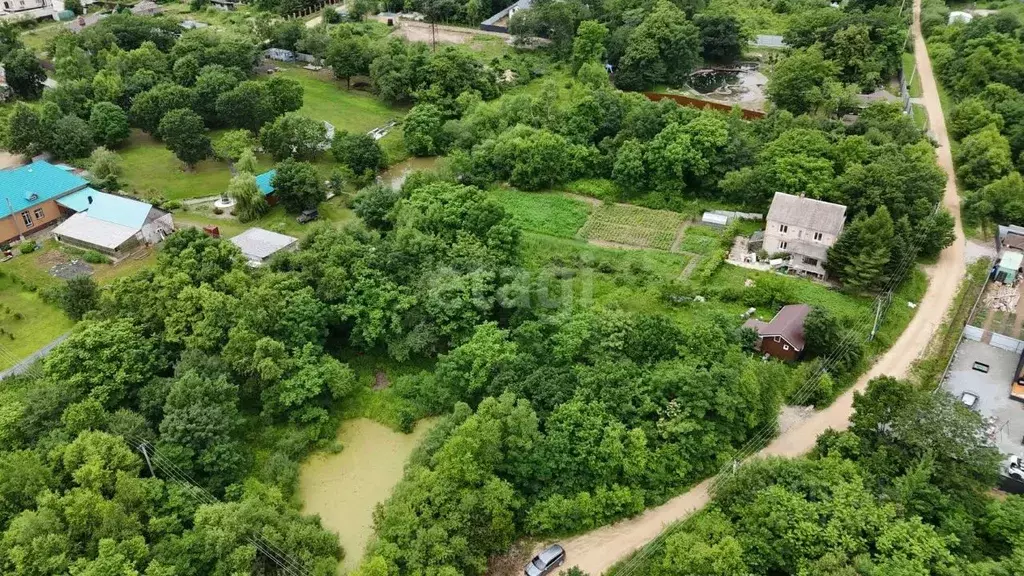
(783, 337)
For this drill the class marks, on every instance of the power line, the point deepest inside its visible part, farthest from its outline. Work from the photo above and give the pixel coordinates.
(288, 564)
(760, 440)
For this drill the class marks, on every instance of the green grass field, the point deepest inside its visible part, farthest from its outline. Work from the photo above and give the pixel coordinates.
(152, 171)
(700, 240)
(26, 322)
(277, 219)
(545, 213)
(325, 98)
(908, 67)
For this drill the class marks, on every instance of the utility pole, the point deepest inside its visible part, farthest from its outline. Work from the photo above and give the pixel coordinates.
(10, 208)
(142, 448)
(879, 312)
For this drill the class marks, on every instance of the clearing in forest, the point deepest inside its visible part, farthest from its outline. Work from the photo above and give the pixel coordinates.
(551, 214)
(633, 226)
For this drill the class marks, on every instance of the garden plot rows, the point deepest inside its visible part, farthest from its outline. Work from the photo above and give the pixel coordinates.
(633, 225)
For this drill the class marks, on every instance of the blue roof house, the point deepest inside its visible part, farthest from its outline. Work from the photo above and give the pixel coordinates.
(28, 196)
(111, 224)
(263, 182)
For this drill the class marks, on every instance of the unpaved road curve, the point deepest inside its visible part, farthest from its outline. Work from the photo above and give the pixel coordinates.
(598, 550)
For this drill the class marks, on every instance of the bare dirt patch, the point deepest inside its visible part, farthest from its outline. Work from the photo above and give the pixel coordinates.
(609, 244)
(380, 380)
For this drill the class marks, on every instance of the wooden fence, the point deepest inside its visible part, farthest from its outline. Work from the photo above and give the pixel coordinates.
(698, 103)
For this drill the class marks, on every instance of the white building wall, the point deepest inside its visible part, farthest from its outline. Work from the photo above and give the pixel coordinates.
(793, 237)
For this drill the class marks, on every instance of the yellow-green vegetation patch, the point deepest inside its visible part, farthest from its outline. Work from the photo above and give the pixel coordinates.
(344, 488)
(545, 213)
(633, 226)
(26, 322)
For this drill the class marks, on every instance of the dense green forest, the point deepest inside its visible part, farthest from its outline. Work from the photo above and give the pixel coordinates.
(905, 491)
(553, 418)
(981, 67)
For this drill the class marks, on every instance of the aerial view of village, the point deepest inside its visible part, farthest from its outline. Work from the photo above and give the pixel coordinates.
(511, 288)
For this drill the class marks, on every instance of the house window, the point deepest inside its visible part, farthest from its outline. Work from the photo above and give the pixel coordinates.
(777, 339)
(783, 245)
(817, 236)
(783, 228)
(785, 347)
(38, 213)
(810, 261)
(27, 218)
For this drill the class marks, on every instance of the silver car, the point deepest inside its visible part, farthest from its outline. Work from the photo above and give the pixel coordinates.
(546, 562)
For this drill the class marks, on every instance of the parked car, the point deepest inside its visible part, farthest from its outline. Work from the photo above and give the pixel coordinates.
(546, 562)
(1014, 467)
(970, 399)
(307, 216)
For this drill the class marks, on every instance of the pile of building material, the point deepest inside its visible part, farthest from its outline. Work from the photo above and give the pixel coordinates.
(1002, 297)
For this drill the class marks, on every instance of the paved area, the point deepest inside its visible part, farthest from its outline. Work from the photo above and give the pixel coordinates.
(596, 551)
(992, 389)
(975, 249)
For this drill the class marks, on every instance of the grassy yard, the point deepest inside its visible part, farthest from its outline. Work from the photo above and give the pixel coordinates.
(277, 219)
(908, 68)
(325, 98)
(26, 322)
(546, 213)
(34, 269)
(153, 171)
(36, 39)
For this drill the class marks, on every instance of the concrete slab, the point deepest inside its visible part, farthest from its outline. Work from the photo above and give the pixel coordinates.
(992, 389)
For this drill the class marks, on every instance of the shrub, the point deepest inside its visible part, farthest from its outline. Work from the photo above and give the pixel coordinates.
(27, 247)
(218, 211)
(172, 205)
(584, 511)
(94, 257)
(707, 268)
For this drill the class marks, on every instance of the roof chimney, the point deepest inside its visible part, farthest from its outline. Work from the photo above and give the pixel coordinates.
(89, 197)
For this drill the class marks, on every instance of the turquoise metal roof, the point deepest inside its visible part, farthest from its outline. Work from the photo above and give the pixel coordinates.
(263, 181)
(78, 201)
(1011, 260)
(26, 186)
(119, 210)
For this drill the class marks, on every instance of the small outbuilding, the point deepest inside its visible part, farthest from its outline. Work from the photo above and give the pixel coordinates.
(264, 183)
(1008, 267)
(110, 224)
(714, 220)
(259, 245)
(783, 337)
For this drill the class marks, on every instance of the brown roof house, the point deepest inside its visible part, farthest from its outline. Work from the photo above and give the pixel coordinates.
(783, 337)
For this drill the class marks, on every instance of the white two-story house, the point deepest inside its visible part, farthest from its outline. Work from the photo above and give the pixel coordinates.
(805, 229)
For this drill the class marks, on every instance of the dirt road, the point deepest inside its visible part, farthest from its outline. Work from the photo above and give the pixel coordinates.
(597, 551)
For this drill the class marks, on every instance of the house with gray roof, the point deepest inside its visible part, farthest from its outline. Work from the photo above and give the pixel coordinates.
(499, 21)
(805, 229)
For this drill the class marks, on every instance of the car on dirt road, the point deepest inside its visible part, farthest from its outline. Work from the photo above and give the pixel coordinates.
(546, 562)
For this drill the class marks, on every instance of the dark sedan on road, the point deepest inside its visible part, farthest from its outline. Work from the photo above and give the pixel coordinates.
(546, 562)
